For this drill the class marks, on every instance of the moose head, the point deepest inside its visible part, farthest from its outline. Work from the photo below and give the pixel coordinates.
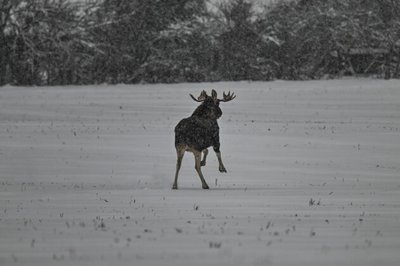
(200, 131)
(210, 104)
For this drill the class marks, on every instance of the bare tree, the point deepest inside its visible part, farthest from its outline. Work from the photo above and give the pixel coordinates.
(5, 12)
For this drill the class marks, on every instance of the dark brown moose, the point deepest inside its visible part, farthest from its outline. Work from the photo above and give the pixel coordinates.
(200, 131)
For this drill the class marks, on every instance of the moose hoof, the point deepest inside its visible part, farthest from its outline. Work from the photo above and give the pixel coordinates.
(205, 186)
(222, 170)
(202, 163)
(175, 186)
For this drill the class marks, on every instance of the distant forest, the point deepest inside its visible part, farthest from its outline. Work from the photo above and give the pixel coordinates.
(60, 42)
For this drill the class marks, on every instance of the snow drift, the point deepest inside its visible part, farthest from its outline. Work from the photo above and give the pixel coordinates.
(313, 176)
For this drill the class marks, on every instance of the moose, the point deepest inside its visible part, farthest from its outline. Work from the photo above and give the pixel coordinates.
(200, 131)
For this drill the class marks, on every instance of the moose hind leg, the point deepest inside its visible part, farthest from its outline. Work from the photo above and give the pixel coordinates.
(205, 153)
(197, 157)
(180, 151)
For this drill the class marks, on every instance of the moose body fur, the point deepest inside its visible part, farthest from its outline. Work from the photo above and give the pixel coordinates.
(198, 132)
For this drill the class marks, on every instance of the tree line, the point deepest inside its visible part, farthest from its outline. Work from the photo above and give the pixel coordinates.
(59, 42)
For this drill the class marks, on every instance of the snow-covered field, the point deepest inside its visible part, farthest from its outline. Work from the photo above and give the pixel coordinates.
(313, 176)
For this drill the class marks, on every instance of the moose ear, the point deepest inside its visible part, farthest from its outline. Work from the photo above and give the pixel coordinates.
(214, 94)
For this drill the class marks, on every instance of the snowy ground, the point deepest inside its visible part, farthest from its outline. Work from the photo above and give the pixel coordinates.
(313, 176)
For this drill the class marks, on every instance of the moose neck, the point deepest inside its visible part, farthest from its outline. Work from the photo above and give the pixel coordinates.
(203, 112)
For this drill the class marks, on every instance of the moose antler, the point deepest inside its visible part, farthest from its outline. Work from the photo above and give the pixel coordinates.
(201, 98)
(228, 97)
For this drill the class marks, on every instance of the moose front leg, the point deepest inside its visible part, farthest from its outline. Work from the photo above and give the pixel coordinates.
(218, 153)
(221, 165)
